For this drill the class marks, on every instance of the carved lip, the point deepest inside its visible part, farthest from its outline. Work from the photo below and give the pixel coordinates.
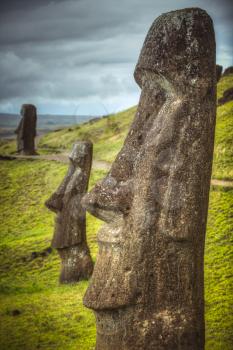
(102, 212)
(110, 234)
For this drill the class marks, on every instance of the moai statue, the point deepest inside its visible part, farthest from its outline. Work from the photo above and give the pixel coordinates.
(70, 224)
(26, 130)
(218, 72)
(147, 285)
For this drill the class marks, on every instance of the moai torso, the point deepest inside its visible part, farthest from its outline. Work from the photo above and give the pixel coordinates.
(70, 223)
(147, 285)
(26, 130)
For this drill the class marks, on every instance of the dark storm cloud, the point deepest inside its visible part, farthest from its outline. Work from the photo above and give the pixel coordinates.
(80, 20)
(63, 52)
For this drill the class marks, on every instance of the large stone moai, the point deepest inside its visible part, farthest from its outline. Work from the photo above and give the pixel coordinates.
(26, 130)
(147, 285)
(70, 228)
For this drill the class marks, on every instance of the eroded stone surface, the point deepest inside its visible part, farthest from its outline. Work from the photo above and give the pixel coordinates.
(70, 223)
(147, 285)
(26, 130)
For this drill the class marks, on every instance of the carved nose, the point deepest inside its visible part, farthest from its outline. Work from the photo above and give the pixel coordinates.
(55, 203)
(102, 209)
(108, 200)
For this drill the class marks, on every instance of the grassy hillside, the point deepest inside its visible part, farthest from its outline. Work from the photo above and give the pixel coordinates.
(109, 133)
(51, 316)
(37, 313)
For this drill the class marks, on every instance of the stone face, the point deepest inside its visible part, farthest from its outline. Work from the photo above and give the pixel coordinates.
(227, 96)
(218, 72)
(70, 224)
(26, 130)
(147, 286)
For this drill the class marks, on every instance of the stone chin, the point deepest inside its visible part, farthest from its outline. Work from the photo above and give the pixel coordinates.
(118, 288)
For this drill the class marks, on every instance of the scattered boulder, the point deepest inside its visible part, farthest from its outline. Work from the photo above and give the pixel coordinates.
(227, 96)
(2, 157)
(228, 71)
(15, 312)
(45, 252)
(34, 255)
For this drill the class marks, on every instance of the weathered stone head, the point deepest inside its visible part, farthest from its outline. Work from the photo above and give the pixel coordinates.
(70, 224)
(26, 131)
(147, 285)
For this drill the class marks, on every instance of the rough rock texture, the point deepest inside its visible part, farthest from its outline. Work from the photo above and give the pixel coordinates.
(228, 71)
(147, 286)
(26, 130)
(218, 72)
(70, 224)
(227, 96)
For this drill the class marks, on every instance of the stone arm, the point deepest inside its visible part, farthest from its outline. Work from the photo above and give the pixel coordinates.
(19, 129)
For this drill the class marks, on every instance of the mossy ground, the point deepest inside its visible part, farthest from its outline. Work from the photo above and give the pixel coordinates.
(218, 271)
(52, 316)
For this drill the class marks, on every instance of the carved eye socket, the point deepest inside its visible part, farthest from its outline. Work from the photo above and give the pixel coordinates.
(140, 139)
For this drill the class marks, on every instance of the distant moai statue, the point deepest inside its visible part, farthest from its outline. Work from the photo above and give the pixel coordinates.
(70, 228)
(218, 72)
(26, 130)
(147, 285)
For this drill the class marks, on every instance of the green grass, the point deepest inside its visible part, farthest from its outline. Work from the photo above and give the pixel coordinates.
(51, 316)
(7, 147)
(223, 152)
(223, 155)
(224, 84)
(218, 271)
(107, 135)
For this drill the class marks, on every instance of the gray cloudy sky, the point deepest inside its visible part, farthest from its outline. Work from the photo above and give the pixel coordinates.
(78, 56)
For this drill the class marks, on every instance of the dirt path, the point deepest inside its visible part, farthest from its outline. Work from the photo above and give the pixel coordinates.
(62, 158)
(100, 165)
(224, 183)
